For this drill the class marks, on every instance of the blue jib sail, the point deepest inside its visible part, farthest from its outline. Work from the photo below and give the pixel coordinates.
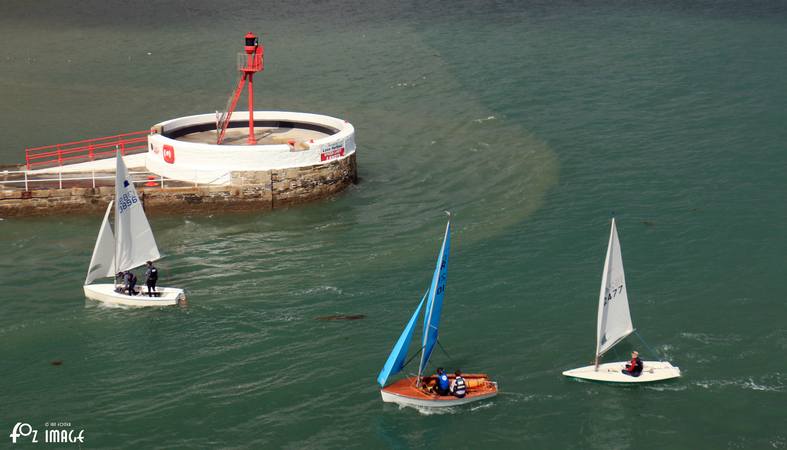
(434, 304)
(398, 354)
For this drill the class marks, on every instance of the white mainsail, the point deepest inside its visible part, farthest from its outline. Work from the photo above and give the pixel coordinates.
(614, 319)
(102, 264)
(135, 243)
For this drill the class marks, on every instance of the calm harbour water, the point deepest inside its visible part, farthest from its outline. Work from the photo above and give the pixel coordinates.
(531, 121)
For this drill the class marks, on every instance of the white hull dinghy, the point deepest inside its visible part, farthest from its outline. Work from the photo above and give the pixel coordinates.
(132, 245)
(614, 324)
(108, 293)
(613, 372)
(418, 391)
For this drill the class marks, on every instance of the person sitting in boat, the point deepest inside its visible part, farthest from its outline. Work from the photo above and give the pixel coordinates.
(131, 282)
(459, 386)
(634, 367)
(151, 277)
(443, 385)
(120, 280)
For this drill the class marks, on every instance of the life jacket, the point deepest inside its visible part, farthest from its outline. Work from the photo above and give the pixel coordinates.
(153, 274)
(460, 387)
(442, 382)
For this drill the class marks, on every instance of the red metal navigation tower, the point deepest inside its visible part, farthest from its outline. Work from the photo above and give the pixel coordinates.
(249, 63)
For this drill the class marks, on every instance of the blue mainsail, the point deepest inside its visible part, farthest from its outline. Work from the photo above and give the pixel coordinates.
(434, 304)
(398, 354)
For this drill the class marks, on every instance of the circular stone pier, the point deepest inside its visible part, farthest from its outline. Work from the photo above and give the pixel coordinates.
(297, 157)
(185, 149)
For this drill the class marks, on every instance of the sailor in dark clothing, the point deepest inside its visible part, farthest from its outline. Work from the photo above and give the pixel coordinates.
(443, 385)
(131, 282)
(633, 367)
(151, 277)
(120, 280)
(459, 387)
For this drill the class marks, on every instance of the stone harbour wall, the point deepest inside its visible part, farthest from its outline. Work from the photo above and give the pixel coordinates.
(247, 191)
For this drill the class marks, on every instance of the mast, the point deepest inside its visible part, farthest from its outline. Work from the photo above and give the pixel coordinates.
(134, 240)
(115, 256)
(614, 318)
(425, 333)
(115, 234)
(432, 300)
(602, 293)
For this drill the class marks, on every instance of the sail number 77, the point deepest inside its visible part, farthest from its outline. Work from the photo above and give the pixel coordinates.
(612, 293)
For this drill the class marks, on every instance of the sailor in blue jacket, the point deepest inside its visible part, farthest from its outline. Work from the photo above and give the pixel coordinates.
(443, 385)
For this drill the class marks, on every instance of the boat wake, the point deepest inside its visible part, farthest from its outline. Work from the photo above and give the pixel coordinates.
(322, 289)
(754, 386)
(104, 305)
(711, 339)
(426, 411)
(767, 383)
(484, 405)
(485, 119)
(666, 387)
(517, 397)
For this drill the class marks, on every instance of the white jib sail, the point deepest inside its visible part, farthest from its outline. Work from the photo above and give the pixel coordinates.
(614, 319)
(135, 242)
(102, 264)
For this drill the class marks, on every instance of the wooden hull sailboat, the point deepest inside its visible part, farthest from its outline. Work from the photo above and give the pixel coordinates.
(419, 391)
(131, 245)
(614, 324)
(406, 392)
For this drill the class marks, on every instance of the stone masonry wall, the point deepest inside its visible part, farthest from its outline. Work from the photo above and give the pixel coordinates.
(248, 191)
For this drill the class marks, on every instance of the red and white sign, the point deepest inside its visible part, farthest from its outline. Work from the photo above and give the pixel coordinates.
(169, 154)
(331, 151)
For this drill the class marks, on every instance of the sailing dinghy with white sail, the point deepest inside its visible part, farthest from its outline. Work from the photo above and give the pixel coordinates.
(417, 391)
(614, 324)
(130, 246)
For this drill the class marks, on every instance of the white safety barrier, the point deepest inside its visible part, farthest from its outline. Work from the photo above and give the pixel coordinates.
(209, 163)
(26, 179)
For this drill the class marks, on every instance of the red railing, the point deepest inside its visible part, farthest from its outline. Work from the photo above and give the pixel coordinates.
(86, 150)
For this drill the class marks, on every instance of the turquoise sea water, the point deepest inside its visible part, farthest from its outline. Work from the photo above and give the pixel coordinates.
(531, 121)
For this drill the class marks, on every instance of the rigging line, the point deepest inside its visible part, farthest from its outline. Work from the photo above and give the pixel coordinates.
(650, 349)
(443, 349)
(411, 359)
